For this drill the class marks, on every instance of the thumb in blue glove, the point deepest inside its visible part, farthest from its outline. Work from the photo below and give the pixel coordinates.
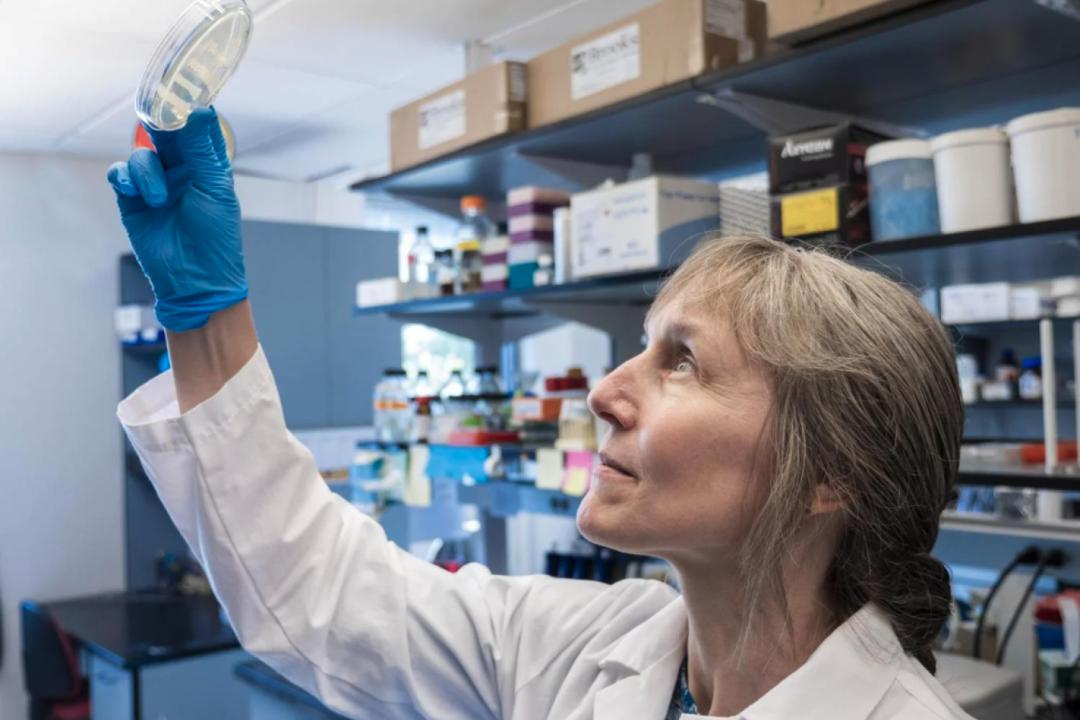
(182, 217)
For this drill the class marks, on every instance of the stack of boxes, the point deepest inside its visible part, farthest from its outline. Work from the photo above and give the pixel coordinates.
(494, 252)
(532, 233)
(818, 185)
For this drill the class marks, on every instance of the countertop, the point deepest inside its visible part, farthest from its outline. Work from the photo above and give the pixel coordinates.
(132, 629)
(266, 678)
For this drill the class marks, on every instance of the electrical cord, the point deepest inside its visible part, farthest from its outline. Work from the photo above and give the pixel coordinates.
(1029, 554)
(1039, 570)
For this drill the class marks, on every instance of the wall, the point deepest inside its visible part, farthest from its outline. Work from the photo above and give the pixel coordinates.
(62, 513)
(61, 517)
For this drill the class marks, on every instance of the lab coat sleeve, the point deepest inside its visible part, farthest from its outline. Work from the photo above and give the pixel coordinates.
(311, 585)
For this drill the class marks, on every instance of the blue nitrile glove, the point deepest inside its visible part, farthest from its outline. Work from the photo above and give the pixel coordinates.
(182, 217)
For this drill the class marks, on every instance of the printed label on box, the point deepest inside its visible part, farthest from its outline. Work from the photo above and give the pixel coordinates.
(810, 213)
(726, 17)
(605, 62)
(517, 83)
(442, 119)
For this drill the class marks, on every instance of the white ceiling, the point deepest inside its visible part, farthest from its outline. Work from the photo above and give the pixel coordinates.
(311, 98)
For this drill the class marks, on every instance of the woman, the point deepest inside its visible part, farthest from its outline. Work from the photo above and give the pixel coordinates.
(787, 440)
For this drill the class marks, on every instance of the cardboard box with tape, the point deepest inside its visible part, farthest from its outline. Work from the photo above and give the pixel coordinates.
(483, 105)
(663, 44)
(795, 21)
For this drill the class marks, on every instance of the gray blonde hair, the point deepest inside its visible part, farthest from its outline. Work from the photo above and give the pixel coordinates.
(865, 399)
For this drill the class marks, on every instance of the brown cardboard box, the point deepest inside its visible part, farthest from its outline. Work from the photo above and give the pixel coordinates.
(793, 21)
(664, 43)
(483, 105)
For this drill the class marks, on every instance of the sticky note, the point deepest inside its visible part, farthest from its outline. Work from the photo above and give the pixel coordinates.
(579, 467)
(549, 469)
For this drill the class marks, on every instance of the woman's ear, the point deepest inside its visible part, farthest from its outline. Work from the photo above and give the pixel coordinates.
(825, 500)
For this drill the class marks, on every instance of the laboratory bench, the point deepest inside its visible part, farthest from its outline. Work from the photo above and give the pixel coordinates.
(153, 655)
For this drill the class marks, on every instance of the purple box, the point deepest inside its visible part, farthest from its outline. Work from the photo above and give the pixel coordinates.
(496, 259)
(494, 286)
(547, 236)
(533, 209)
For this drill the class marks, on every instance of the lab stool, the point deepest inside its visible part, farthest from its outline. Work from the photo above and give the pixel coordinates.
(984, 691)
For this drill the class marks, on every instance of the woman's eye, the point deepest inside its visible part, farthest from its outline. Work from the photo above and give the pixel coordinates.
(684, 364)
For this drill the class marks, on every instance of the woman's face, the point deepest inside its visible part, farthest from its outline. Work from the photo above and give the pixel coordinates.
(675, 477)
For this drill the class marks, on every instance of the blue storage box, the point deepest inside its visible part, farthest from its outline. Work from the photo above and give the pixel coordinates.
(451, 462)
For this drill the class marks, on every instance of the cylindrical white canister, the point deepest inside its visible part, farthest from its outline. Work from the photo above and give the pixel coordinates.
(903, 196)
(1046, 160)
(974, 180)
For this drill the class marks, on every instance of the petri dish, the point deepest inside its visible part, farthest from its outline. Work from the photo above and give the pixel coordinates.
(193, 62)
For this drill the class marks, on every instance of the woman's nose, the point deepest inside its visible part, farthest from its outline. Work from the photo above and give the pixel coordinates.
(612, 400)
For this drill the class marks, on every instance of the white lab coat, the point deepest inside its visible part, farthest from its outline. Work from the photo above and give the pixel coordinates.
(314, 589)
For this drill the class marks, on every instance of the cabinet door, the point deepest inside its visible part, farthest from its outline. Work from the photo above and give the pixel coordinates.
(204, 686)
(111, 691)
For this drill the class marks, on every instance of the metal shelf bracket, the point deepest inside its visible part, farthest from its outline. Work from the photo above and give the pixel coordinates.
(779, 116)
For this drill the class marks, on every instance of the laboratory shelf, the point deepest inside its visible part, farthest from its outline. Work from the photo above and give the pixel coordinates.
(1064, 228)
(1063, 403)
(1065, 530)
(972, 55)
(1061, 324)
(505, 499)
(1066, 477)
(637, 288)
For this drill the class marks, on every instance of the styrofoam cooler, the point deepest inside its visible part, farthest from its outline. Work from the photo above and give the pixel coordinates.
(974, 179)
(1046, 160)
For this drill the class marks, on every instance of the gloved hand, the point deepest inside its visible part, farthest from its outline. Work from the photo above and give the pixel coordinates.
(182, 217)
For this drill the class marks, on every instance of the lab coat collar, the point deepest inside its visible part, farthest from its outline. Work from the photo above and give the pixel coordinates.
(646, 660)
(844, 679)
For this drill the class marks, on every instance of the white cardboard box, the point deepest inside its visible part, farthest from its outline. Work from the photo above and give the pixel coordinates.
(649, 223)
(386, 291)
(984, 302)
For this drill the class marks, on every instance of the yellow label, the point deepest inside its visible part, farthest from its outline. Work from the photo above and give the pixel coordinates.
(810, 213)
(576, 481)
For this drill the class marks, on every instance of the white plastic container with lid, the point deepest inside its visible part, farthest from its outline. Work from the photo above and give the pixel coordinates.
(974, 180)
(1046, 159)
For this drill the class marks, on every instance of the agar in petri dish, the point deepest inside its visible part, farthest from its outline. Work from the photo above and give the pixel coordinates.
(193, 62)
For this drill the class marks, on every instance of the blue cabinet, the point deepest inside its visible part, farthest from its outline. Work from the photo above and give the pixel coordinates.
(203, 686)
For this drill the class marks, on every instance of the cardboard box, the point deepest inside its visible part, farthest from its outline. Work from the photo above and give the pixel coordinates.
(828, 155)
(663, 44)
(639, 225)
(794, 21)
(486, 104)
(390, 290)
(834, 215)
(983, 302)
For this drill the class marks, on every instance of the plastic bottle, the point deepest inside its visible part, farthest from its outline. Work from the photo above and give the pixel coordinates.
(445, 272)
(474, 230)
(422, 386)
(422, 260)
(392, 411)
(1031, 386)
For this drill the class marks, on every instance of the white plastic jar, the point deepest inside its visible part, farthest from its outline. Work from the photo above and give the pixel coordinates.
(903, 196)
(974, 179)
(1046, 160)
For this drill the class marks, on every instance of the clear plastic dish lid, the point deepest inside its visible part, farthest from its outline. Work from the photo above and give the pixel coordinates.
(194, 61)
